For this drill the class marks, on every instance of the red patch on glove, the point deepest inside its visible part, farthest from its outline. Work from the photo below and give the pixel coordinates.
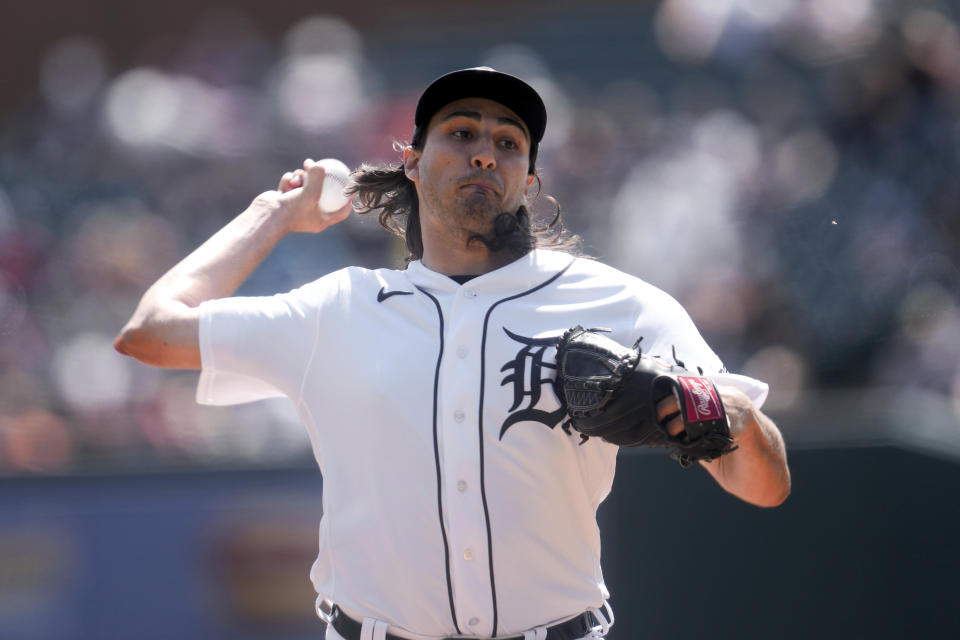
(700, 397)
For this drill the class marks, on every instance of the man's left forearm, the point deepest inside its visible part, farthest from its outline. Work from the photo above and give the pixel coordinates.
(757, 471)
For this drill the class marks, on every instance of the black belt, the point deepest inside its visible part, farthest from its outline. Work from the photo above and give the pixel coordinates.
(572, 629)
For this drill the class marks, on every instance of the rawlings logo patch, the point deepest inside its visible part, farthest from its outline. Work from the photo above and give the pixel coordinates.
(701, 399)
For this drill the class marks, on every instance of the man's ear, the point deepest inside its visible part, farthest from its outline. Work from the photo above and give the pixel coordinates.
(530, 179)
(411, 163)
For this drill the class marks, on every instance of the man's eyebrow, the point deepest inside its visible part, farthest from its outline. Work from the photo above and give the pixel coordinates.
(475, 115)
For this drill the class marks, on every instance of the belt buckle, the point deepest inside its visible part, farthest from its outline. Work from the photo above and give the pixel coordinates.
(326, 610)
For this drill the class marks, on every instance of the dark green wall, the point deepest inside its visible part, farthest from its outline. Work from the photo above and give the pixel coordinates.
(864, 548)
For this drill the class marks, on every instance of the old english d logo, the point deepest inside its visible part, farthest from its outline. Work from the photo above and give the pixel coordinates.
(527, 377)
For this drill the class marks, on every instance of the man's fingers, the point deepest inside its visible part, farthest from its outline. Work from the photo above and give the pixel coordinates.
(291, 180)
(668, 406)
(668, 415)
(674, 426)
(313, 176)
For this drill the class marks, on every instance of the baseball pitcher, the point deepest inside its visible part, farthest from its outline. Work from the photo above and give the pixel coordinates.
(466, 411)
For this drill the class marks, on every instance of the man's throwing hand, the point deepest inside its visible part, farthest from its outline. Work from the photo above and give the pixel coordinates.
(299, 194)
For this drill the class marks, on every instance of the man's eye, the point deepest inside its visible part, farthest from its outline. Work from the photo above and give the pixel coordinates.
(507, 143)
(462, 134)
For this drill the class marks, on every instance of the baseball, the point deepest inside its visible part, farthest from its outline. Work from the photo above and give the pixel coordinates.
(335, 181)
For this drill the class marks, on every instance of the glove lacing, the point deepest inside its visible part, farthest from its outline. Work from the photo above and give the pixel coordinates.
(600, 630)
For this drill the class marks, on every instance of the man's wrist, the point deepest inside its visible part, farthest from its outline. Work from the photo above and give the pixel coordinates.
(271, 212)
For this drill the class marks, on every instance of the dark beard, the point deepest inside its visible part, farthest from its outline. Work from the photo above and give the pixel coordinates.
(511, 234)
(477, 206)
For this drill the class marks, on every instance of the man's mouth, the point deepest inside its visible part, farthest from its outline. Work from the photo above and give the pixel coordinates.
(482, 186)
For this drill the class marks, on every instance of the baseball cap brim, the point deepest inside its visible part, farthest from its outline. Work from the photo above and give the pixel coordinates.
(484, 82)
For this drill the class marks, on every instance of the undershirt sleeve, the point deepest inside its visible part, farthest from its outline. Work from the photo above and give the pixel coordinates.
(254, 348)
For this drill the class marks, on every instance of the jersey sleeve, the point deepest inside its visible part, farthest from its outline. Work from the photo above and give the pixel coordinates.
(254, 348)
(670, 333)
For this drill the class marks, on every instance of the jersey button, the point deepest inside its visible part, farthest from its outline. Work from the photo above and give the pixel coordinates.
(462, 352)
(461, 485)
(470, 293)
(473, 622)
(459, 415)
(468, 555)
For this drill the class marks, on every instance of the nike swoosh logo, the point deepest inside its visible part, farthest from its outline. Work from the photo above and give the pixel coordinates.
(383, 294)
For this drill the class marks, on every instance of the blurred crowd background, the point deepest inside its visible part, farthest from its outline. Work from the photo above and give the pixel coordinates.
(786, 168)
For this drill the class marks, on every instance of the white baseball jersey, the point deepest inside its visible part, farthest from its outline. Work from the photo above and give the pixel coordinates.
(454, 501)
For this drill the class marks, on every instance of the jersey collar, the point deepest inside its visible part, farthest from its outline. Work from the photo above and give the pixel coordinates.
(521, 274)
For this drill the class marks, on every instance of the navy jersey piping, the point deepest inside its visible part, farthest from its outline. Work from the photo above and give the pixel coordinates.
(483, 487)
(436, 458)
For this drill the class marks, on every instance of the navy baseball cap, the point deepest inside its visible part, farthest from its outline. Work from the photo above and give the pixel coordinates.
(484, 82)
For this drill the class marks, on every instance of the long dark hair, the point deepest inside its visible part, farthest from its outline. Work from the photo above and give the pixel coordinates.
(386, 188)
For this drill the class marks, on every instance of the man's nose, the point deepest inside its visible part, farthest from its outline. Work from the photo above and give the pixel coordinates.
(483, 156)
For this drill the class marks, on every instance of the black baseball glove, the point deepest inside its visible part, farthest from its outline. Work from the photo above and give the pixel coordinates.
(611, 392)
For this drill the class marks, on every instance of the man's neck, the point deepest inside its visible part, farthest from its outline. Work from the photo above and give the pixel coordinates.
(455, 261)
(446, 251)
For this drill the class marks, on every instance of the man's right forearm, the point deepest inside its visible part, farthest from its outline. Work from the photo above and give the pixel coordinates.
(223, 262)
(163, 330)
